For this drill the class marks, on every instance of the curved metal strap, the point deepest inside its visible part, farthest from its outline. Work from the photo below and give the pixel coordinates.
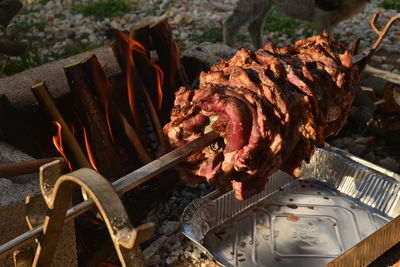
(57, 192)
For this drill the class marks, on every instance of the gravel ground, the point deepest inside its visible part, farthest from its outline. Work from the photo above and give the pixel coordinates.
(54, 31)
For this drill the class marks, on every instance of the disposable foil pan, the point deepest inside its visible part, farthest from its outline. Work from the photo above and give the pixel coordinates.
(343, 211)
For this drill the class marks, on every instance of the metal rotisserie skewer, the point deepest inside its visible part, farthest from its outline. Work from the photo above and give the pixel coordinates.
(121, 186)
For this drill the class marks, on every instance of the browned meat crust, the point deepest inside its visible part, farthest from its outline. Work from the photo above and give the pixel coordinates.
(271, 108)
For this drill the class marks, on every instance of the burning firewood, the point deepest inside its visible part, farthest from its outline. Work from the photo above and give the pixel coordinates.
(270, 108)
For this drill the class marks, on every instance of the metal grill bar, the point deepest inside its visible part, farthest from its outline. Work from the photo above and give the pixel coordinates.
(121, 186)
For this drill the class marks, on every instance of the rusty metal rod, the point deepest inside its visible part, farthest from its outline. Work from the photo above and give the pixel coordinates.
(23, 167)
(121, 186)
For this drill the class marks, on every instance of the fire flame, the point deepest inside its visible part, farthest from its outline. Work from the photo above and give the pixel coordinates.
(106, 94)
(137, 47)
(57, 141)
(88, 150)
(106, 111)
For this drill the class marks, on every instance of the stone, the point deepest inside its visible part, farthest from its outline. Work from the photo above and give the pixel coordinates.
(357, 149)
(170, 227)
(209, 53)
(390, 164)
(13, 191)
(153, 260)
(153, 248)
(337, 142)
(41, 35)
(347, 140)
(366, 140)
(85, 41)
(370, 156)
(196, 254)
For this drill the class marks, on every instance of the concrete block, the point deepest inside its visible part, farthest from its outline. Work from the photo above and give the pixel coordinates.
(12, 210)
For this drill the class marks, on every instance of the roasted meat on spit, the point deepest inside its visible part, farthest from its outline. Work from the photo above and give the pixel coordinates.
(270, 107)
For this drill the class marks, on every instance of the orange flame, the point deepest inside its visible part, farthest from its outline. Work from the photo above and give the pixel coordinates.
(88, 150)
(94, 221)
(57, 141)
(108, 121)
(137, 47)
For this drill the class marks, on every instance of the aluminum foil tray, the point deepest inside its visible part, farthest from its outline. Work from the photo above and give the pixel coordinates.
(342, 211)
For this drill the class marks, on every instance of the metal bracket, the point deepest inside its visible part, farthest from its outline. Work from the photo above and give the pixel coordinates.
(362, 60)
(121, 186)
(57, 193)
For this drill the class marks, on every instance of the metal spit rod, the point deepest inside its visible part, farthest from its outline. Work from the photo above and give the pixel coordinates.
(121, 186)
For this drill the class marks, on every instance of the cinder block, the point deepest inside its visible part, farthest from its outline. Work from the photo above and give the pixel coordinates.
(12, 210)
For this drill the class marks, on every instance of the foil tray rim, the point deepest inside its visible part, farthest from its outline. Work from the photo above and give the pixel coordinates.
(213, 209)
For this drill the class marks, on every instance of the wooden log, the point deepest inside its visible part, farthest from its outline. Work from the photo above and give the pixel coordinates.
(105, 157)
(385, 75)
(16, 87)
(124, 57)
(135, 141)
(169, 61)
(140, 83)
(24, 167)
(141, 33)
(104, 92)
(119, 49)
(46, 101)
(14, 129)
(168, 52)
(149, 72)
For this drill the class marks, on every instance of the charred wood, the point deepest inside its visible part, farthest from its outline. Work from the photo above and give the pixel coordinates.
(131, 57)
(141, 34)
(113, 116)
(24, 167)
(105, 156)
(149, 73)
(385, 75)
(170, 62)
